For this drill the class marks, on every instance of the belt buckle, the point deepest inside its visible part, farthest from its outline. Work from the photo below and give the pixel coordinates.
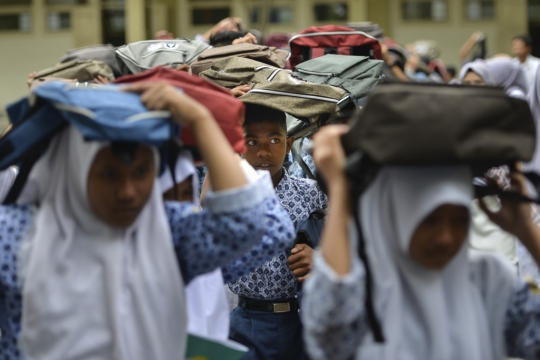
(282, 307)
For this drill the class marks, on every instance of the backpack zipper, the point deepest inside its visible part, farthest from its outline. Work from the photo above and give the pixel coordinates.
(331, 33)
(303, 96)
(160, 50)
(328, 75)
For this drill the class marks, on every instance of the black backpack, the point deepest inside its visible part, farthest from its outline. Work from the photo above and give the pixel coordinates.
(406, 124)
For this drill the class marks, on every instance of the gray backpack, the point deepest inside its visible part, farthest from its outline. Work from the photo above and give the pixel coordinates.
(358, 75)
(145, 55)
(105, 53)
(274, 87)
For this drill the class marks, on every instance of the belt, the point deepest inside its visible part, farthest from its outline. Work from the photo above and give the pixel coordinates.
(281, 307)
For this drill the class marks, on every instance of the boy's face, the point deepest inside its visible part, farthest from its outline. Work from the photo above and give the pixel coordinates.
(267, 145)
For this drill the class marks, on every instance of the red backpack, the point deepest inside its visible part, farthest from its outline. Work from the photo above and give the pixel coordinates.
(227, 110)
(315, 42)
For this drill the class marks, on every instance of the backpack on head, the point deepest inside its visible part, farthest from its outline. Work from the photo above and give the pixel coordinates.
(105, 114)
(79, 70)
(105, 53)
(264, 54)
(315, 42)
(141, 56)
(406, 124)
(358, 75)
(227, 110)
(274, 87)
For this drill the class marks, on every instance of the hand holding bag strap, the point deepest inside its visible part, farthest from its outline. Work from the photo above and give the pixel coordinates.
(296, 151)
(361, 171)
(494, 190)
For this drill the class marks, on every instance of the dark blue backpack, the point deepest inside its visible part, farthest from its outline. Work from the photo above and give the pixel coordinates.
(101, 114)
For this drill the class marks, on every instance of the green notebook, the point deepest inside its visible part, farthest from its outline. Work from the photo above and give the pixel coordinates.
(201, 348)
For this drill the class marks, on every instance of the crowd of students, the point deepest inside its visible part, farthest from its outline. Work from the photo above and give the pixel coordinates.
(104, 256)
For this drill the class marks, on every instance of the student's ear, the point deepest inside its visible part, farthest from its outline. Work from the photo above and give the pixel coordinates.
(290, 141)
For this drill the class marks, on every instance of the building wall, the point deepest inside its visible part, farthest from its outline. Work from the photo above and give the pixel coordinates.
(510, 20)
(23, 52)
(39, 48)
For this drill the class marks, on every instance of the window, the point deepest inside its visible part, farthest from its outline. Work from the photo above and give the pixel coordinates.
(534, 11)
(15, 2)
(15, 22)
(113, 26)
(209, 16)
(434, 10)
(278, 15)
(58, 21)
(65, 2)
(331, 12)
(480, 9)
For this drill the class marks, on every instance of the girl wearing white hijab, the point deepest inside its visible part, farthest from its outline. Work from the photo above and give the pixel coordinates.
(508, 74)
(207, 306)
(100, 279)
(434, 298)
(502, 72)
(476, 73)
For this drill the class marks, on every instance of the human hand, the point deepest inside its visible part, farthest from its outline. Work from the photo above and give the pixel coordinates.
(162, 96)
(249, 38)
(513, 216)
(477, 36)
(227, 24)
(184, 68)
(384, 51)
(240, 90)
(164, 35)
(328, 152)
(300, 261)
(101, 80)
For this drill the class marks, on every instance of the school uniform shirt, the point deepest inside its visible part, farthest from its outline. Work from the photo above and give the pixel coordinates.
(274, 280)
(530, 67)
(202, 241)
(473, 308)
(295, 170)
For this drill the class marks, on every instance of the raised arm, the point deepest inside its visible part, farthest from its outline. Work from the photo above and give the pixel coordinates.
(522, 326)
(333, 305)
(222, 162)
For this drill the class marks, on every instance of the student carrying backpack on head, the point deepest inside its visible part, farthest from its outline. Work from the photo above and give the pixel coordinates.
(101, 238)
(403, 283)
(267, 317)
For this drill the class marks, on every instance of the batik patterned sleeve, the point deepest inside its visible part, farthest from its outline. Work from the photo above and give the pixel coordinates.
(15, 222)
(333, 311)
(231, 224)
(279, 233)
(522, 327)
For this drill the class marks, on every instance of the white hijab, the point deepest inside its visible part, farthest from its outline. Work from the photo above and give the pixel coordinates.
(480, 68)
(92, 291)
(206, 300)
(534, 102)
(183, 169)
(508, 74)
(455, 313)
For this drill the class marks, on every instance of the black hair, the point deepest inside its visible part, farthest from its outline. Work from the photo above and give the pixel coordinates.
(526, 39)
(124, 151)
(451, 70)
(256, 114)
(225, 38)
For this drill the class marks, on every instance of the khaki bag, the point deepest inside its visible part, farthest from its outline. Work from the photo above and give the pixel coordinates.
(265, 54)
(80, 70)
(274, 87)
